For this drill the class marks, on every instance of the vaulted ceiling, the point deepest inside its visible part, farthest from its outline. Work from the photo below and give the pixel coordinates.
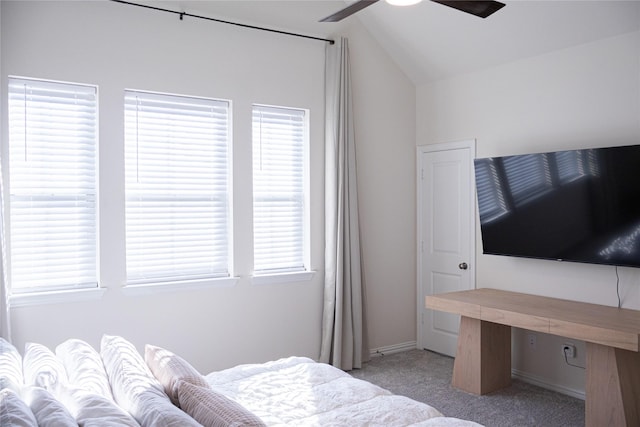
(430, 41)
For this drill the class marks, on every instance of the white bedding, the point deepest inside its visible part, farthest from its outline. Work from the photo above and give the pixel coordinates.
(297, 391)
(118, 387)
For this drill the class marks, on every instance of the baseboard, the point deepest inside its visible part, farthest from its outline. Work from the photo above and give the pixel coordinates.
(540, 382)
(395, 348)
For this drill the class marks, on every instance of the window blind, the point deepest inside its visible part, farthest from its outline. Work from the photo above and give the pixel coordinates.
(528, 176)
(52, 185)
(177, 196)
(570, 165)
(491, 202)
(279, 139)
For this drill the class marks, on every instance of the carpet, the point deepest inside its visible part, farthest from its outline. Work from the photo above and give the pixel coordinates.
(426, 376)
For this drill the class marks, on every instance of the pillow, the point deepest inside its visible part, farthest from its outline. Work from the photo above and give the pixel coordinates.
(89, 409)
(170, 368)
(155, 411)
(84, 367)
(42, 368)
(14, 412)
(48, 411)
(212, 409)
(97, 422)
(10, 366)
(128, 373)
(136, 389)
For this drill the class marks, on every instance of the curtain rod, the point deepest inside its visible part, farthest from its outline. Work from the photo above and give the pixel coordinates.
(183, 14)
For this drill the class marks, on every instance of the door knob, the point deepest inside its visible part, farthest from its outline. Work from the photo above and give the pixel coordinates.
(463, 266)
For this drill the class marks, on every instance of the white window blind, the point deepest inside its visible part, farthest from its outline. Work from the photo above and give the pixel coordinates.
(52, 185)
(491, 202)
(528, 176)
(279, 170)
(570, 165)
(177, 195)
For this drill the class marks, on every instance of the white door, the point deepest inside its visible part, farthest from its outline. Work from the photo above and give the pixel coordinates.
(446, 236)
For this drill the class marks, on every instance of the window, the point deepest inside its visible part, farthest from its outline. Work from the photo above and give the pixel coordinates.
(279, 189)
(52, 185)
(177, 188)
(491, 202)
(528, 176)
(570, 165)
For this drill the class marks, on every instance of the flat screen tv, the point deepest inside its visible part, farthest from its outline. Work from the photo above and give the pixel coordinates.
(578, 205)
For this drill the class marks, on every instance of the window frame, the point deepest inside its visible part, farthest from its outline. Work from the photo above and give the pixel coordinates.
(304, 271)
(87, 289)
(135, 286)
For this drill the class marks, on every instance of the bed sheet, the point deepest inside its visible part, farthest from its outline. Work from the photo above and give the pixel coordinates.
(297, 391)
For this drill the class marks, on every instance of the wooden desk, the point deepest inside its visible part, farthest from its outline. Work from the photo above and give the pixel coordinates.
(612, 336)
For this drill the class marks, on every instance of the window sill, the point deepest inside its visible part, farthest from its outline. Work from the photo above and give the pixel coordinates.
(187, 285)
(56, 297)
(270, 279)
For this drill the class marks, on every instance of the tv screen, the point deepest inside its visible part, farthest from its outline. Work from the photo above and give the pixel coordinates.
(578, 205)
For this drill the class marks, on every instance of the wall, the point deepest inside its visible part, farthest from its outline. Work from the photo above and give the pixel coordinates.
(585, 96)
(384, 107)
(4, 314)
(118, 47)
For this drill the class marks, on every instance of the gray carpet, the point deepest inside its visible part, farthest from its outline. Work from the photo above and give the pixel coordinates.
(426, 376)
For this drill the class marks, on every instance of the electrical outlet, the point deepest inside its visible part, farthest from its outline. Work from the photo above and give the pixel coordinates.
(531, 339)
(569, 351)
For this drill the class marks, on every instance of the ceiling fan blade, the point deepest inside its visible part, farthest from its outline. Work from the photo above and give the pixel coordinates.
(479, 8)
(348, 11)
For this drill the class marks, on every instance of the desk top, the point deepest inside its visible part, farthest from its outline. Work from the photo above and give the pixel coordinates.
(610, 326)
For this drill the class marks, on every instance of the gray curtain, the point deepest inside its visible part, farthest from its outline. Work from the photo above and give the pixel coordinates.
(344, 337)
(5, 329)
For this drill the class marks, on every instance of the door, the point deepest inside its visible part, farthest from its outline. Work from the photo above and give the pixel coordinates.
(446, 237)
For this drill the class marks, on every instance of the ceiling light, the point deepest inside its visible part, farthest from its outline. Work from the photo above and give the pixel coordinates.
(403, 2)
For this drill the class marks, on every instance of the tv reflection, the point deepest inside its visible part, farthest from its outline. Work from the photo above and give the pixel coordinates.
(625, 245)
(577, 205)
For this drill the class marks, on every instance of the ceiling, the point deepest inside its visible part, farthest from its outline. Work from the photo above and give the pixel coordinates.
(430, 41)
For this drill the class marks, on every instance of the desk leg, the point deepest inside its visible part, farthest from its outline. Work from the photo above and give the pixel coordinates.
(483, 358)
(612, 387)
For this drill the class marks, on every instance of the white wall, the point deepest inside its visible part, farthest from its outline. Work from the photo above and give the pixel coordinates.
(585, 96)
(115, 47)
(118, 47)
(384, 104)
(4, 324)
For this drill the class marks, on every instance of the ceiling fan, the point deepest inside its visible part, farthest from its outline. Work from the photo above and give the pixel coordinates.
(479, 8)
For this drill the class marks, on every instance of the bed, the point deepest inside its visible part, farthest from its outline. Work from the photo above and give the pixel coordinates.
(75, 384)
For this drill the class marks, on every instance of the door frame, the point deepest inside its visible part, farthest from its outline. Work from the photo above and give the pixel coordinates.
(469, 144)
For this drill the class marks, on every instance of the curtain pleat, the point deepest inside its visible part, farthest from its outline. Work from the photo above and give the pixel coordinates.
(5, 326)
(344, 338)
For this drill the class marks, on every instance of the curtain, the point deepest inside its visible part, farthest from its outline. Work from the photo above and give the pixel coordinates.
(344, 338)
(5, 330)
